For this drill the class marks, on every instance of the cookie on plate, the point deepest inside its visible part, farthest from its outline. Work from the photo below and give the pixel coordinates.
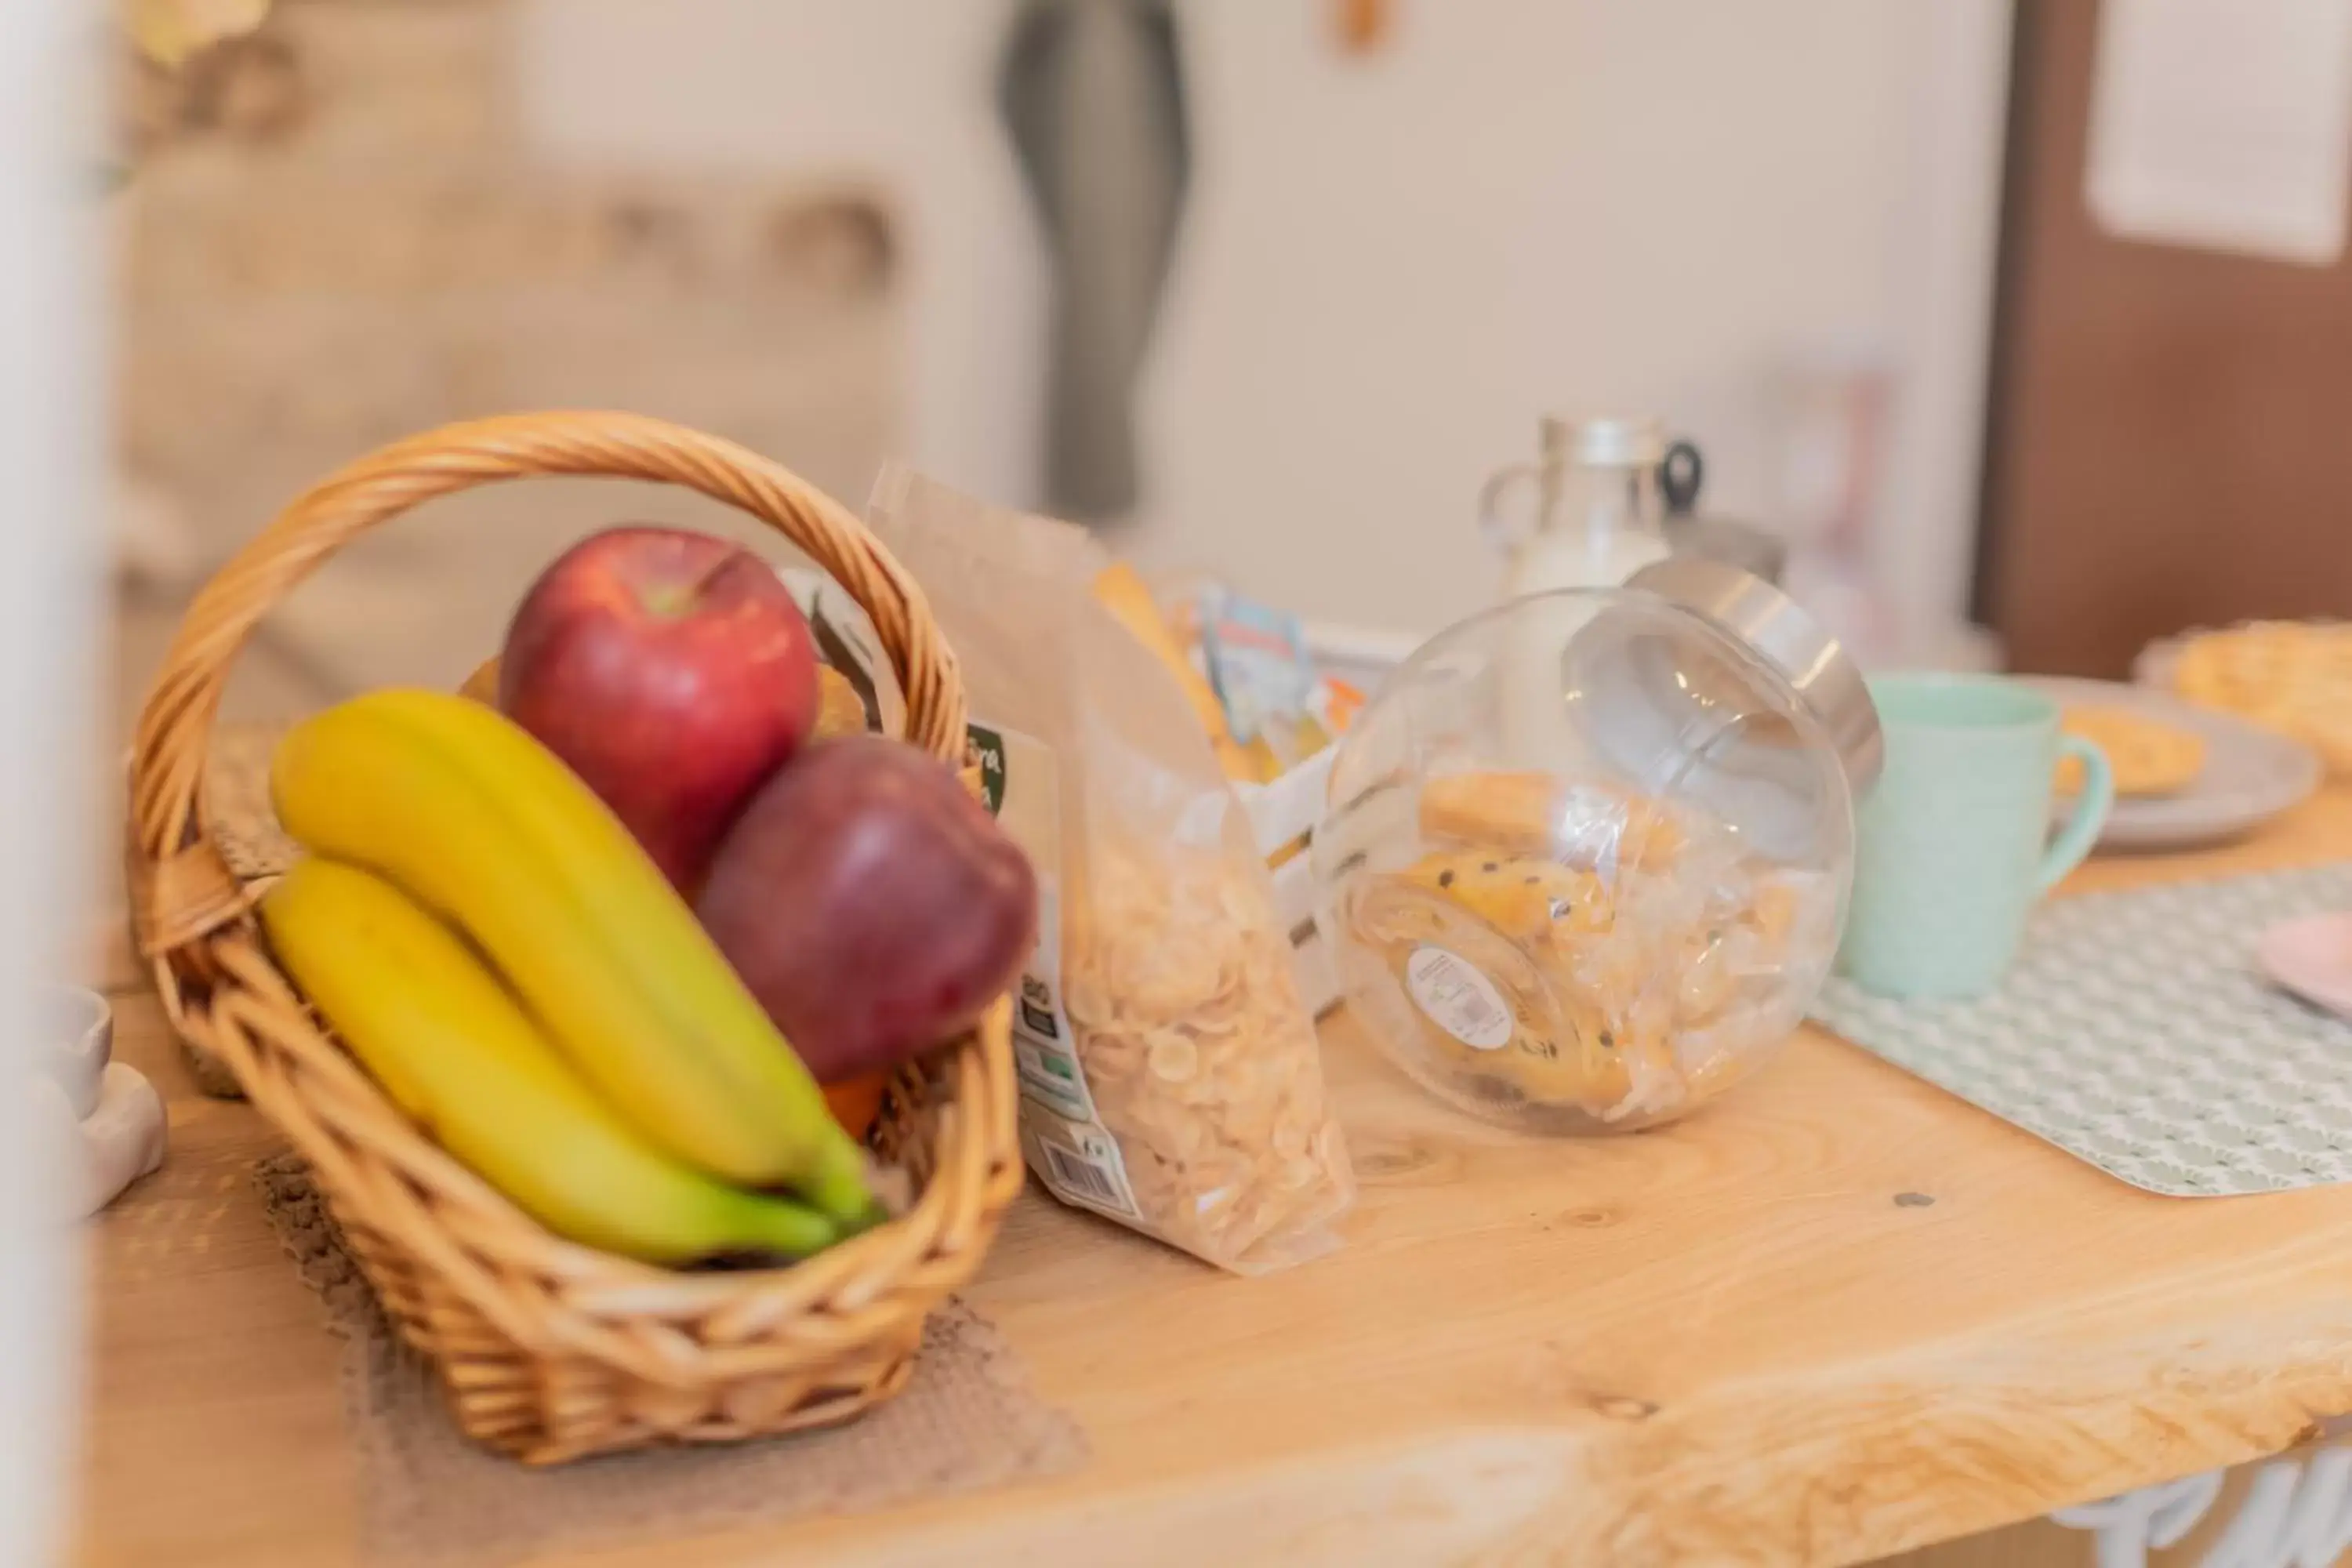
(2148, 756)
(2293, 677)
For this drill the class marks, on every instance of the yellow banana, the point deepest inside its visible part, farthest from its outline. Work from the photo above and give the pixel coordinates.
(455, 1051)
(458, 807)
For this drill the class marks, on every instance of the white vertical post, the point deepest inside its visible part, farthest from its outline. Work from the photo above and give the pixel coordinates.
(1960, 124)
(52, 540)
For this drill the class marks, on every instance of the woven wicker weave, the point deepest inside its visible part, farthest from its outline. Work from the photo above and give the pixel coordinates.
(548, 1350)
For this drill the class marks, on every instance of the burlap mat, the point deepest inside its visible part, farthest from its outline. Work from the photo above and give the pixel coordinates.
(967, 1420)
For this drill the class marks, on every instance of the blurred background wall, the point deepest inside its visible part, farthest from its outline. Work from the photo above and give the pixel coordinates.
(800, 223)
(342, 235)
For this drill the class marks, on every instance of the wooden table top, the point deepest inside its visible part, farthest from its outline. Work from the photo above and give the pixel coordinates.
(1723, 1342)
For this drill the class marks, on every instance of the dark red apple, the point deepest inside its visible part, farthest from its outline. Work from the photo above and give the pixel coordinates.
(673, 671)
(870, 903)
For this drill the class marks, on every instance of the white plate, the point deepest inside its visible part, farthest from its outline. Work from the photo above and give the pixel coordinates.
(2250, 776)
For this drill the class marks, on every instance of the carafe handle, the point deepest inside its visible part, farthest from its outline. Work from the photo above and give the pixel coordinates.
(1500, 517)
(1679, 476)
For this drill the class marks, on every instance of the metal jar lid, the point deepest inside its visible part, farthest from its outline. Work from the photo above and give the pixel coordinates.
(1762, 619)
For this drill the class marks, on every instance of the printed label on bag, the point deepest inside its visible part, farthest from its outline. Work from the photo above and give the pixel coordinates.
(1019, 789)
(1457, 998)
(1079, 1164)
(988, 749)
(1045, 1052)
(845, 639)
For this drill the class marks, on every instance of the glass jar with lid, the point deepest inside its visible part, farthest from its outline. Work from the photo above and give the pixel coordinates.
(1588, 513)
(1606, 933)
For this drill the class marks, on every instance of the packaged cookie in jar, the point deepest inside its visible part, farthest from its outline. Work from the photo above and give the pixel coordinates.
(1587, 855)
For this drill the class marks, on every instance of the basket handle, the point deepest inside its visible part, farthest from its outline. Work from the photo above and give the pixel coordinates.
(181, 887)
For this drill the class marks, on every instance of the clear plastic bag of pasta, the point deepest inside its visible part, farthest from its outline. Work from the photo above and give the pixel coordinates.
(1170, 1071)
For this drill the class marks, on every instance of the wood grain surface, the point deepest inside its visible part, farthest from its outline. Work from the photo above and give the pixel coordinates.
(1743, 1340)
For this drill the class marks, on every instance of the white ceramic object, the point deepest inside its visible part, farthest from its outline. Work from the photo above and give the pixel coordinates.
(106, 1120)
(122, 1139)
(2250, 776)
(99, 1155)
(2312, 957)
(75, 1040)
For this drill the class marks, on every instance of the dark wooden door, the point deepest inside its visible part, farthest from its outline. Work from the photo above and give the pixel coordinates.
(2170, 433)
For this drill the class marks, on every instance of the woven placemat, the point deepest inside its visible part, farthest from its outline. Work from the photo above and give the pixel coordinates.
(967, 1420)
(2135, 1033)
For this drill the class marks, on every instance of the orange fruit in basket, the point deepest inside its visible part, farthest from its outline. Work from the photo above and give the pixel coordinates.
(857, 1102)
(482, 686)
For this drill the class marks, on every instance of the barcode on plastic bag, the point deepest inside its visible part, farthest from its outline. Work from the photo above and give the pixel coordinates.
(1081, 1178)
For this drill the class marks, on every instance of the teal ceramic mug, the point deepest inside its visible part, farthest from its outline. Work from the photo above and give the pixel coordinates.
(1952, 855)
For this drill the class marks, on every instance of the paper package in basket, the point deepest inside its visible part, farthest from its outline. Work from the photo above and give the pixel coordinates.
(1170, 1071)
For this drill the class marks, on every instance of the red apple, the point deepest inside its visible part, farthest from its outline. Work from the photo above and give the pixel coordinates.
(870, 903)
(673, 671)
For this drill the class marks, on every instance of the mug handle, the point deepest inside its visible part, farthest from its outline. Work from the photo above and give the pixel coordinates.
(2091, 807)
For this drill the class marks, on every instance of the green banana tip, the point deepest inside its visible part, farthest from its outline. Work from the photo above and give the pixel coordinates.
(849, 1200)
(873, 1215)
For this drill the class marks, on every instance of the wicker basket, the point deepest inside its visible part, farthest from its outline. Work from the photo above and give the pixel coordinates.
(548, 1350)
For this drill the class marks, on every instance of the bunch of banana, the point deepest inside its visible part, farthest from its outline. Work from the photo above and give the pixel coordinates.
(495, 948)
